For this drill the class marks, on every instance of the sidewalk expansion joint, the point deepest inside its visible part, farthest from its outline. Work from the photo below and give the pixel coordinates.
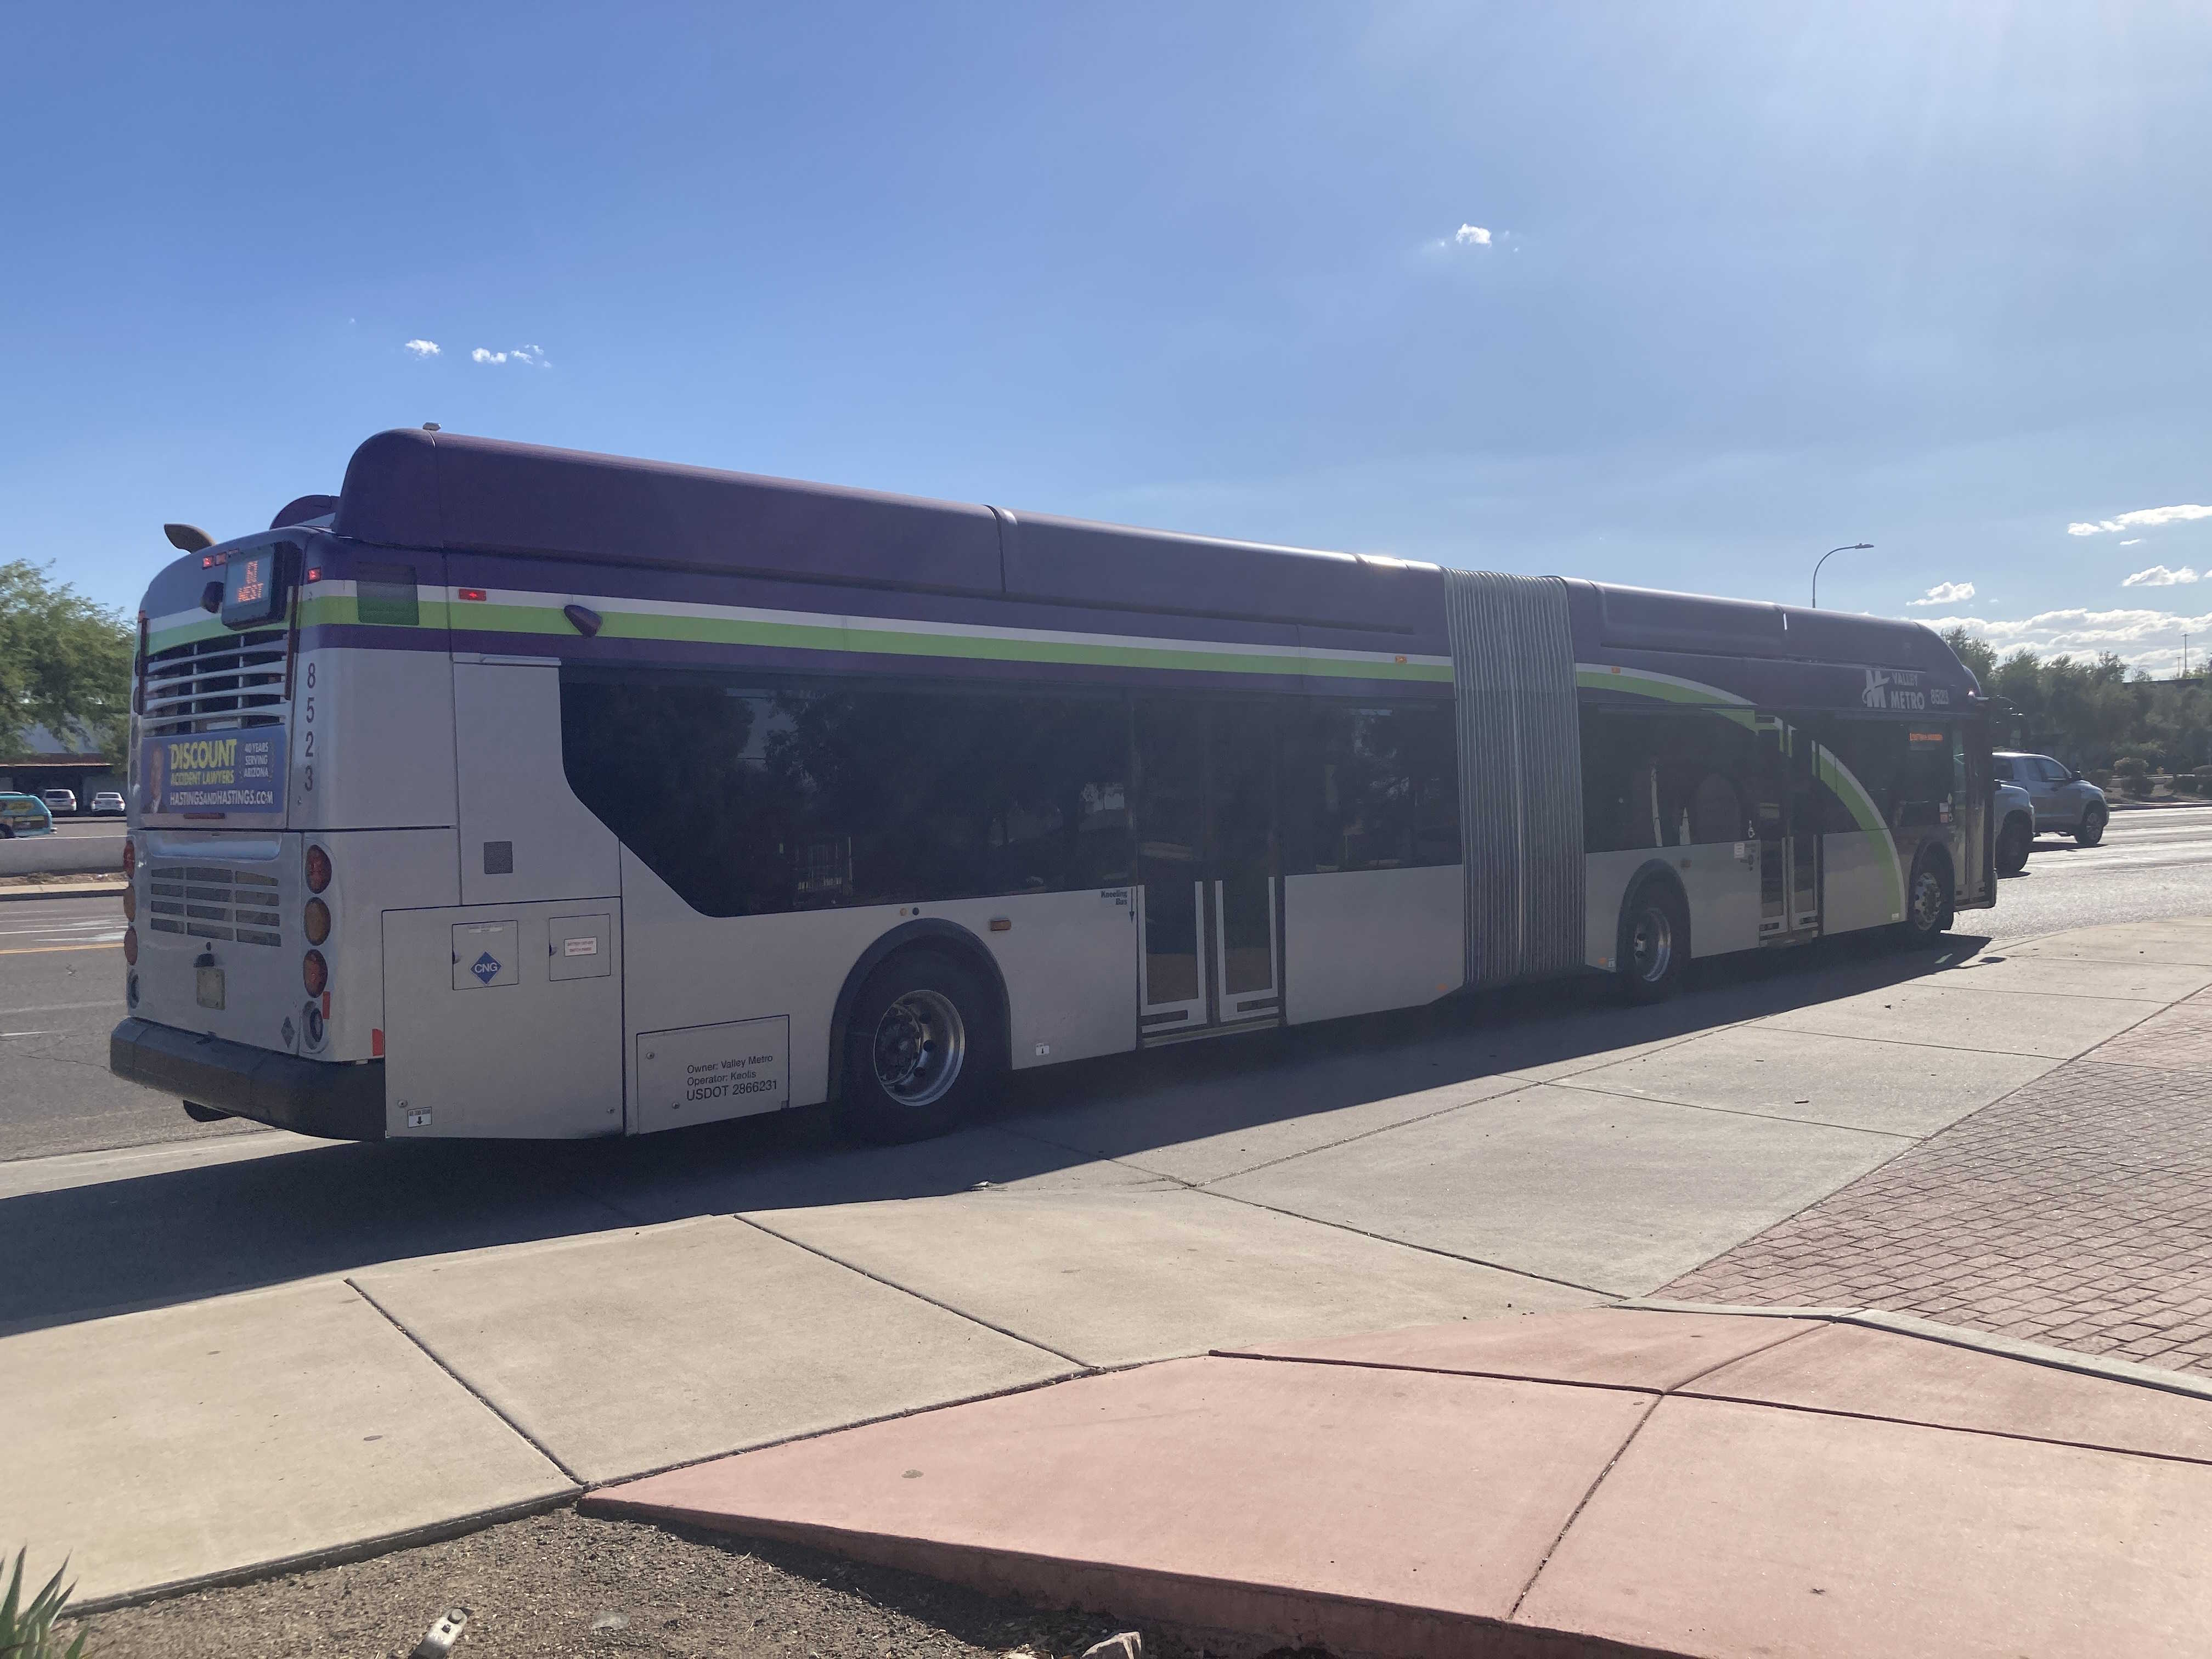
(475, 1393)
(1127, 1162)
(1576, 1514)
(1658, 1397)
(1738, 1111)
(908, 1290)
(828, 1430)
(1407, 1244)
(1435, 1370)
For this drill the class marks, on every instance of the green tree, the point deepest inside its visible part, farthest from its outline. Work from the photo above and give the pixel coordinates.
(2089, 713)
(64, 664)
(1977, 654)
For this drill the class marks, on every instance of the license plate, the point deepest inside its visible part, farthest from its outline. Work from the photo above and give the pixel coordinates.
(210, 986)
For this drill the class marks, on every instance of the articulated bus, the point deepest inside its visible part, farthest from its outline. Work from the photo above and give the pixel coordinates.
(515, 792)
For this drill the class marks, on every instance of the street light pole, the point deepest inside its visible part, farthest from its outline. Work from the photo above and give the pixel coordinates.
(1855, 547)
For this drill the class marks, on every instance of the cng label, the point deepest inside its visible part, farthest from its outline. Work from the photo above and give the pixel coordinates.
(485, 954)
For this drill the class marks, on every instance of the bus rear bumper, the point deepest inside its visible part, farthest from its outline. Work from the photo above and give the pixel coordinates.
(311, 1097)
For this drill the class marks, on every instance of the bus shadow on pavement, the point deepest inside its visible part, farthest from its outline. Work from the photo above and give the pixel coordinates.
(156, 1239)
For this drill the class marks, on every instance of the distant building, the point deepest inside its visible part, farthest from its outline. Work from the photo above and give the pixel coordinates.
(44, 761)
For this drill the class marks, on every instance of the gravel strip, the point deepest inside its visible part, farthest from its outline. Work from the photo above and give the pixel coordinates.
(564, 1583)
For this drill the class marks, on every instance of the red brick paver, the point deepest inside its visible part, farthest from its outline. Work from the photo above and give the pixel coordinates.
(2076, 1211)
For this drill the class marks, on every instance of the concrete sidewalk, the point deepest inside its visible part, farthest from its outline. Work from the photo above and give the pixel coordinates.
(1604, 1482)
(219, 1355)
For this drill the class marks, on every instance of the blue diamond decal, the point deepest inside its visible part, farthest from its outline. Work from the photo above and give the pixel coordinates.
(485, 968)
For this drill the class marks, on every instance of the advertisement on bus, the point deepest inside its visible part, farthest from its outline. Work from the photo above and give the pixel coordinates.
(229, 772)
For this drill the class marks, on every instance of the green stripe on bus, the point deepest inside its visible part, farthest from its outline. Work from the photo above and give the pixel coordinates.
(1646, 685)
(485, 617)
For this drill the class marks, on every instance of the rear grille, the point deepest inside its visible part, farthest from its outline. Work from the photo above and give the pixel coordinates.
(206, 901)
(217, 684)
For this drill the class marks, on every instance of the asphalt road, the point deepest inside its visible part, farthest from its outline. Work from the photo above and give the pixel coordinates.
(61, 976)
(2153, 862)
(61, 993)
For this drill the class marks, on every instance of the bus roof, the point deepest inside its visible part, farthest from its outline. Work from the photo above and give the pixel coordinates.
(449, 492)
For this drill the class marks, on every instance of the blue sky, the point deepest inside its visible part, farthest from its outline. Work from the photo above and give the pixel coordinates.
(1751, 280)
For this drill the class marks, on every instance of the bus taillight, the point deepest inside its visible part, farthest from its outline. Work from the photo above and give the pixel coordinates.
(131, 904)
(130, 946)
(318, 869)
(316, 919)
(314, 973)
(130, 858)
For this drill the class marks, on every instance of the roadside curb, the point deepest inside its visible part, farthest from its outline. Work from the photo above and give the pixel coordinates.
(58, 890)
(363, 1549)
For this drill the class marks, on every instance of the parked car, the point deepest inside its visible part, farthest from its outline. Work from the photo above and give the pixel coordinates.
(108, 800)
(2014, 813)
(2065, 802)
(24, 815)
(59, 800)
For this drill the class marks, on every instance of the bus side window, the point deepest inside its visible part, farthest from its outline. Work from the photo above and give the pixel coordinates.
(1369, 787)
(1904, 771)
(1668, 778)
(766, 796)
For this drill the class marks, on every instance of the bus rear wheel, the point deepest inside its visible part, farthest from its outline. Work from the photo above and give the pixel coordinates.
(919, 1050)
(1655, 942)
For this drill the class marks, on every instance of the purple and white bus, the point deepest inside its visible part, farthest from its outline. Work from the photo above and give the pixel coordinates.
(514, 792)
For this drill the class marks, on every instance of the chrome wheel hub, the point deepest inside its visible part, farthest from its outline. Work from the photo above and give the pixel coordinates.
(1651, 945)
(920, 1045)
(1927, 902)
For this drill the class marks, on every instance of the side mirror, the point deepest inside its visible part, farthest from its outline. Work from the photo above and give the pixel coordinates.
(2073, 775)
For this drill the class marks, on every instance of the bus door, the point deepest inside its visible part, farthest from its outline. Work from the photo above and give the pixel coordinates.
(1788, 822)
(1209, 946)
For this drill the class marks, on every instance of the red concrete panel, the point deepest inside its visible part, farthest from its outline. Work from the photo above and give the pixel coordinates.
(1730, 1528)
(1622, 1348)
(1849, 1368)
(1386, 1509)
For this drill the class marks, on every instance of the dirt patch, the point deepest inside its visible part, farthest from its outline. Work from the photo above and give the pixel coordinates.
(91, 884)
(564, 1583)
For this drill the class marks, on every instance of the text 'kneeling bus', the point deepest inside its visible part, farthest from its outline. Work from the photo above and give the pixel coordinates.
(516, 791)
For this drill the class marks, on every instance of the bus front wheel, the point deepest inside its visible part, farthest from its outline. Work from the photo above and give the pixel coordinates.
(1927, 903)
(920, 1054)
(1655, 942)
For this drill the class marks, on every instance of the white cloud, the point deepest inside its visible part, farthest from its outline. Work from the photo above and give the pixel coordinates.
(2132, 541)
(1471, 236)
(1947, 594)
(2149, 640)
(2158, 576)
(527, 354)
(2148, 517)
(422, 347)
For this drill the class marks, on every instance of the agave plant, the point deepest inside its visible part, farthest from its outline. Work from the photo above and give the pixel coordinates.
(26, 1629)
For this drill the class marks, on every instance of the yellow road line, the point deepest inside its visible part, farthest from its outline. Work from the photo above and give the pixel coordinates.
(49, 950)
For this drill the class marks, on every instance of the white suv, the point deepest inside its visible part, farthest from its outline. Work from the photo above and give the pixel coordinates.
(2064, 802)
